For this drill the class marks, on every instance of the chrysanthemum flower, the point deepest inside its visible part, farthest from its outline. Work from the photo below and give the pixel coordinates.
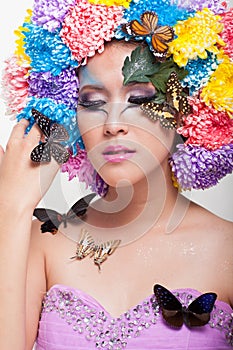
(15, 86)
(206, 126)
(199, 72)
(46, 50)
(227, 33)
(20, 33)
(124, 3)
(219, 90)
(199, 168)
(50, 14)
(80, 166)
(62, 88)
(214, 5)
(88, 26)
(168, 14)
(196, 36)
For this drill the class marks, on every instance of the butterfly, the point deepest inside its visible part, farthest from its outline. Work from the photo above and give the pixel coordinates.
(173, 109)
(160, 35)
(175, 314)
(54, 133)
(87, 246)
(52, 219)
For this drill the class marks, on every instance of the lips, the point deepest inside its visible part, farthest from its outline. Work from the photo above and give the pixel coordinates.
(118, 153)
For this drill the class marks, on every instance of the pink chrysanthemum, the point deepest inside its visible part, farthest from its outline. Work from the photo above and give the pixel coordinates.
(206, 126)
(79, 166)
(227, 33)
(87, 26)
(15, 86)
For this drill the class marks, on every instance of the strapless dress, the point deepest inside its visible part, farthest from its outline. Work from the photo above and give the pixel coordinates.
(73, 320)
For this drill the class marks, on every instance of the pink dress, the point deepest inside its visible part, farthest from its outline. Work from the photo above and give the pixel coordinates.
(73, 320)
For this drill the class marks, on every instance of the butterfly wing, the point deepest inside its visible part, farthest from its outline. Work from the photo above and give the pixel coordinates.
(173, 91)
(159, 48)
(59, 152)
(164, 33)
(80, 207)
(170, 306)
(138, 29)
(85, 245)
(175, 99)
(58, 133)
(198, 312)
(42, 121)
(184, 106)
(41, 153)
(102, 251)
(152, 110)
(161, 112)
(149, 20)
(50, 218)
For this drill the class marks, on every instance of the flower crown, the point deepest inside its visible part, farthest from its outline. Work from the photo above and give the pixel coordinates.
(58, 36)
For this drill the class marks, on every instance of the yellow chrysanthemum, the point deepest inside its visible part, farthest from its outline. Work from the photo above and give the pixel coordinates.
(196, 36)
(124, 3)
(219, 90)
(20, 51)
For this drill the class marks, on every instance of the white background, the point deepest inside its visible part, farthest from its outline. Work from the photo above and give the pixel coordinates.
(219, 199)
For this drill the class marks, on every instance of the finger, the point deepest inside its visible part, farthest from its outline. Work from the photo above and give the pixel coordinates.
(34, 135)
(19, 129)
(1, 154)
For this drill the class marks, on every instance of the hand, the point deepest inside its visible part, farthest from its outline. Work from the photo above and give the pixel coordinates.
(22, 182)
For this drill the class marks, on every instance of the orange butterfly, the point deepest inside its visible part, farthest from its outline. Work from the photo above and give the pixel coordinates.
(160, 35)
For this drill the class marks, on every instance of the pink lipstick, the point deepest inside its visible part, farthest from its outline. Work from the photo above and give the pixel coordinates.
(117, 154)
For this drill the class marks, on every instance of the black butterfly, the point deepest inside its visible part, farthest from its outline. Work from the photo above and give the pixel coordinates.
(54, 133)
(52, 219)
(173, 109)
(196, 314)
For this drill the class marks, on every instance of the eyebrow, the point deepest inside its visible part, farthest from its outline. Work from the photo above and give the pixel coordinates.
(100, 87)
(93, 86)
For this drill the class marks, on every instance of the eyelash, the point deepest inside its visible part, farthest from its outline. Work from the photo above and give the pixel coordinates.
(138, 100)
(99, 103)
(91, 104)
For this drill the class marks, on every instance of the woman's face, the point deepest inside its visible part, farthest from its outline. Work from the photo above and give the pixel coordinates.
(122, 143)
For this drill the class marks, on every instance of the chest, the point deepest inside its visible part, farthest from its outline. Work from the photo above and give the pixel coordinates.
(129, 274)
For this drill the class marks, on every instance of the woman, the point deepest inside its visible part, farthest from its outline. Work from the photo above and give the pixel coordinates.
(140, 236)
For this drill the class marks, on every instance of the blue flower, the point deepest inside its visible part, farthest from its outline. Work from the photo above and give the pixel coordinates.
(58, 113)
(46, 50)
(199, 72)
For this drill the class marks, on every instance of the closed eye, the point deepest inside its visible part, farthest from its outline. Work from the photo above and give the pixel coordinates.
(138, 100)
(91, 104)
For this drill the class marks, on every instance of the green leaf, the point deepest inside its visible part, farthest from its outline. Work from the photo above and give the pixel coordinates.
(140, 66)
(159, 79)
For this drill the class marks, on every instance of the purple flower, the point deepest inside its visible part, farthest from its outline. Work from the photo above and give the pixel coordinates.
(62, 88)
(50, 14)
(99, 186)
(199, 168)
(197, 5)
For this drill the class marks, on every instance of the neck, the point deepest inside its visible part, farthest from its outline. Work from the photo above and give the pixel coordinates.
(153, 201)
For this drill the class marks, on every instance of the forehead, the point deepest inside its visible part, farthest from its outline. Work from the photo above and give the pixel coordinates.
(107, 66)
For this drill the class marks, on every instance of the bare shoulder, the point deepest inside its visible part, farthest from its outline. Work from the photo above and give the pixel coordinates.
(209, 223)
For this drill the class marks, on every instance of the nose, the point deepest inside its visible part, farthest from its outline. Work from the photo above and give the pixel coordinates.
(114, 124)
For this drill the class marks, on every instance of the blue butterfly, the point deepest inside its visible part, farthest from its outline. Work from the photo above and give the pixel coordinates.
(197, 313)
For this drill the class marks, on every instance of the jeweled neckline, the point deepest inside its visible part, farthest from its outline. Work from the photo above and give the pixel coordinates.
(91, 299)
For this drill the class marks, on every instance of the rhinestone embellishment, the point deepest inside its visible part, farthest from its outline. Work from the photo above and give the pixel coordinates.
(112, 333)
